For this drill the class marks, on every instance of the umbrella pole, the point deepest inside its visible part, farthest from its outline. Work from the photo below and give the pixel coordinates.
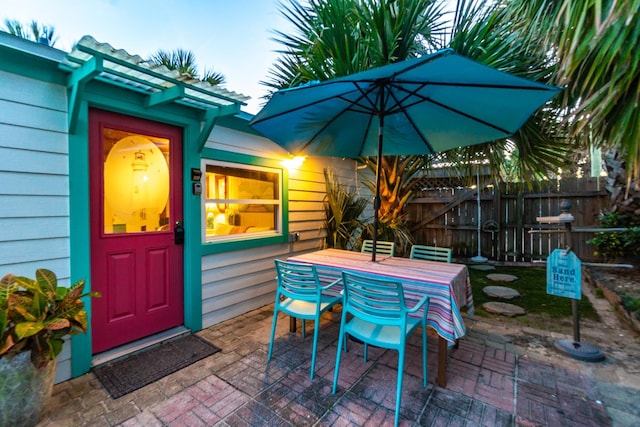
(376, 200)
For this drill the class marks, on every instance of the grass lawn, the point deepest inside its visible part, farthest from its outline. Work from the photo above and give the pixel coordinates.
(532, 286)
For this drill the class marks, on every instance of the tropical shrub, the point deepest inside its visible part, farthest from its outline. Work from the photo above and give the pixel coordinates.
(36, 315)
(617, 244)
(343, 212)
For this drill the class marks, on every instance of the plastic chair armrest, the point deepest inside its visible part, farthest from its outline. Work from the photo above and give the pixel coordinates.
(419, 305)
(332, 284)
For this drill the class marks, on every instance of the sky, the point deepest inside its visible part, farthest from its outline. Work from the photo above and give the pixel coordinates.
(232, 37)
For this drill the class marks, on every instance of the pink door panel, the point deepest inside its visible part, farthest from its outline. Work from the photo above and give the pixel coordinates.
(136, 201)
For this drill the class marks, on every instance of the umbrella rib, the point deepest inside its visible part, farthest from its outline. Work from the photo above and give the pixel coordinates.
(364, 95)
(357, 87)
(469, 116)
(300, 107)
(421, 98)
(425, 141)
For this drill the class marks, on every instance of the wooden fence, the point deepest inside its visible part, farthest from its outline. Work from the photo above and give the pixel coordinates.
(509, 231)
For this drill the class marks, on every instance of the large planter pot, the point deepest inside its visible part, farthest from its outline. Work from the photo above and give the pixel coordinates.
(24, 390)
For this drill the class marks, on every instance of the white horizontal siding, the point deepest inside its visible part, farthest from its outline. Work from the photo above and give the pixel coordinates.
(30, 228)
(28, 269)
(33, 139)
(302, 216)
(23, 251)
(63, 362)
(17, 159)
(234, 141)
(235, 283)
(24, 90)
(32, 116)
(34, 206)
(34, 184)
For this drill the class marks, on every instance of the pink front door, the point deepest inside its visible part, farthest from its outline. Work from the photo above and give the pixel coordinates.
(136, 206)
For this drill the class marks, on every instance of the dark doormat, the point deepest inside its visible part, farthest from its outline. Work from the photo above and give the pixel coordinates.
(123, 376)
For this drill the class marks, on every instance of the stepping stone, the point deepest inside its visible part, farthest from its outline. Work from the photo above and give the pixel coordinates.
(497, 277)
(482, 267)
(501, 292)
(503, 308)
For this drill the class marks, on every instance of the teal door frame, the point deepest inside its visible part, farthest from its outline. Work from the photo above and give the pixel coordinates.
(102, 96)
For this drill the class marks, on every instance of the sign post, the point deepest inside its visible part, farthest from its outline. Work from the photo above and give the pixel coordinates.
(564, 279)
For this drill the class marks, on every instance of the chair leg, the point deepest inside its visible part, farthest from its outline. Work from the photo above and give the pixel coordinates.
(304, 329)
(316, 332)
(273, 331)
(399, 386)
(424, 355)
(341, 343)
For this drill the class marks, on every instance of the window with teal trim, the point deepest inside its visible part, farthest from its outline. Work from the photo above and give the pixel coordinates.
(240, 201)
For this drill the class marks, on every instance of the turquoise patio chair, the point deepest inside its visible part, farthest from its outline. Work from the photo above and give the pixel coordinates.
(431, 253)
(380, 318)
(382, 247)
(301, 295)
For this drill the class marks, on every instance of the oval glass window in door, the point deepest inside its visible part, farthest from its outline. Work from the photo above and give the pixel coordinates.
(136, 183)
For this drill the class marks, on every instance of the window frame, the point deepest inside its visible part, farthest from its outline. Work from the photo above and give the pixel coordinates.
(243, 240)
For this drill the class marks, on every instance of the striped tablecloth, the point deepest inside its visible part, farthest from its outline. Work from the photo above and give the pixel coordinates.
(447, 285)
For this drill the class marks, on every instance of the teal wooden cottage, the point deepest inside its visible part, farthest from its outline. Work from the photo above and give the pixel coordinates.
(151, 187)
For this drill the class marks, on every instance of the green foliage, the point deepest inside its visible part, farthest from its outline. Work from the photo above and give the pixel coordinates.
(397, 178)
(343, 209)
(36, 314)
(595, 48)
(34, 31)
(617, 244)
(333, 38)
(184, 62)
(486, 31)
(631, 304)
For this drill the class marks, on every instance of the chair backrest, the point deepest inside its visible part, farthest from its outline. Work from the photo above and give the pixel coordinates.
(431, 253)
(382, 247)
(374, 300)
(298, 281)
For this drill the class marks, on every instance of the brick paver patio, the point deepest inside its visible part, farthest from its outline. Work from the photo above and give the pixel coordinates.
(489, 384)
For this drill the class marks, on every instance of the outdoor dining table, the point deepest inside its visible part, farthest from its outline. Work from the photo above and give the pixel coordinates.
(447, 285)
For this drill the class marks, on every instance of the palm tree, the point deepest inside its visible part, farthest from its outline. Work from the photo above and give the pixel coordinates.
(184, 61)
(595, 45)
(343, 210)
(484, 31)
(39, 33)
(338, 37)
(334, 38)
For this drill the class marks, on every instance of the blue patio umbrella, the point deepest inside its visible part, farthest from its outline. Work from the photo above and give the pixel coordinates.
(424, 105)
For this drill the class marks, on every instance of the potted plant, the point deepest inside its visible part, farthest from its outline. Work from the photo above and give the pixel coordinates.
(35, 316)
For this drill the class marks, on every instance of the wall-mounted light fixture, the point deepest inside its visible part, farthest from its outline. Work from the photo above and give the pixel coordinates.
(294, 162)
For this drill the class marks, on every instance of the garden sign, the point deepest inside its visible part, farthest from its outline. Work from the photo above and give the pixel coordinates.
(564, 274)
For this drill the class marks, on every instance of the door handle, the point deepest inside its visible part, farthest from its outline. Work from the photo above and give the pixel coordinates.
(178, 233)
